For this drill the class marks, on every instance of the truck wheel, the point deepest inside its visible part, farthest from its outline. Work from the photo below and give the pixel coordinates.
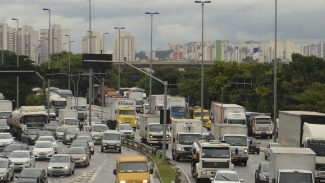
(258, 151)
(245, 163)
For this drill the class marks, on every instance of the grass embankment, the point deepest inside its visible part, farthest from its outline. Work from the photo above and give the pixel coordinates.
(166, 172)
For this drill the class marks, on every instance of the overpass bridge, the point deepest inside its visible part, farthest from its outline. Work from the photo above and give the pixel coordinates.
(172, 63)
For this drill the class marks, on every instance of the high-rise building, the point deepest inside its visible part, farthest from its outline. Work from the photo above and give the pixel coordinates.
(126, 51)
(96, 43)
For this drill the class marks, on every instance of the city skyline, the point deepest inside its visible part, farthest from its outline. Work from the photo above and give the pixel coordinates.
(178, 22)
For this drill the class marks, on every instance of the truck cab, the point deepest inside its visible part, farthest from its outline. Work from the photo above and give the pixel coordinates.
(206, 117)
(260, 125)
(239, 147)
(126, 115)
(132, 168)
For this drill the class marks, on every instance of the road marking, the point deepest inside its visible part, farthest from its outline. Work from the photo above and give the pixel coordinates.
(184, 173)
(89, 176)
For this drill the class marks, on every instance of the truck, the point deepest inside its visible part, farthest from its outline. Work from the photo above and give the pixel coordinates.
(259, 125)
(79, 104)
(184, 133)
(68, 117)
(121, 110)
(27, 117)
(176, 105)
(151, 131)
(304, 129)
(57, 102)
(157, 103)
(195, 113)
(5, 108)
(236, 136)
(208, 158)
(138, 97)
(227, 113)
(291, 165)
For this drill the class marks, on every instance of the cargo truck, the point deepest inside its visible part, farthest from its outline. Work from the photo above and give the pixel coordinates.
(68, 117)
(27, 117)
(138, 97)
(208, 158)
(120, 111)
(195, 113)
(291, 165)
(79, 104)
(151, 131)
(57, 102)
(227, 113)
(236, 136)
(5, 108)
(184, 133)
(304, 129)
(259, 125)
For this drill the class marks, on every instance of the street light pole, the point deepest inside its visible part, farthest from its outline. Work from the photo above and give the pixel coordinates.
(104, 42)
(202, 57)
(119, 55)
(49, 61)
(150, 61)
(90, 87)
(17, 90)
(275, 70)
(69, 84)
(2, 43)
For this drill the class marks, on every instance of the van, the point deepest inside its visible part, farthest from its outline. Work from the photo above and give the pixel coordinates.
(132, 168)
(111, 141)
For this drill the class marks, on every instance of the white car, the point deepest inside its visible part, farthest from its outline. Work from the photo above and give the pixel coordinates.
(226, 176)
(43, 150)
(22, 159)
(5, 139)
(51, 139)
(125, 130)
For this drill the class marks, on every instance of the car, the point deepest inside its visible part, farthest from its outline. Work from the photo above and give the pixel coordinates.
(12, 147)
(37, 175)
(253, 145)
(5, 139)
(267, 150)
(61, 164)
(97, 131)
(82, 143)
(90, 142)
(51, 126)
(51, 139)
(59, 133)
(226, 176)
(262, 172)
(70, 134)
(111, 141)
(44, 133)
(125, 130)
(52, 114)
(22, 159)
(3, 125)
(30, 136)
(43, 150)
(80, 156)
(6, 170)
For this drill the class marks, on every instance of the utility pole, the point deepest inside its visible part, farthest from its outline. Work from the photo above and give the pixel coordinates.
(119, 55)
(275, 63)
(90, 90)
(17, 90)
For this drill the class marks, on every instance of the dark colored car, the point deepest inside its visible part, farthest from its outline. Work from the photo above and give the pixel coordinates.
(253, 145)
(82, 143)
(13, 147)
(29, 136)
(262, 172)
(37, 175)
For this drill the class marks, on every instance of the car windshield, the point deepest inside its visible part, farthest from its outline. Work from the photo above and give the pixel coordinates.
(32, 132)
(79, 144)
(188, 138)
(127, 112)
(214, 152)
(3, 164)
(43, 145)
(265, 167)
(237, 121)
(99, 128)
(111, 136)
(71, 122)
(60, 159)
(12, 147)
(226, 177)
(156, 128)
(261, 121)
(198, 114)
(77, 151)
(60, 129)
(18, 154)
(5, 136)
(125, 127)
(72, 131)
(236, 140)
(129, 167)
(45, 133)
(30, 173)
(80, 108)
(87, 138)
(51, 139)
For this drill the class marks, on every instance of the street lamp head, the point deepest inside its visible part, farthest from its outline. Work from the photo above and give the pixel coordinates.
(46, 9)
(119, 27)
(67, 35)
(151, 13)
(15, 19)
(106, 33)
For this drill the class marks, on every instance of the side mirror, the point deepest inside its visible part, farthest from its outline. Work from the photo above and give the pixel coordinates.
(114, 171)
(241, 180)
(151, 171)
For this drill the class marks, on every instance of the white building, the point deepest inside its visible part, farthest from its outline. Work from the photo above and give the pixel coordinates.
(96, 43)
(126, 49)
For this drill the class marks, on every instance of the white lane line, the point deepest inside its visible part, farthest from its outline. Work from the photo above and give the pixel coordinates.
(99, 168)
(184, 173)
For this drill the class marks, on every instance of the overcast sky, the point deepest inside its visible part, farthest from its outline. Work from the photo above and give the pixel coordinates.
(179, 21)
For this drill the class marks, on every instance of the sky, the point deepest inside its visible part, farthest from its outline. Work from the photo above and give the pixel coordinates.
(179, 21)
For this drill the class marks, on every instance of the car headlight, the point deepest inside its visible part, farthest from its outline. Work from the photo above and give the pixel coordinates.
(180, 148)
(145, 181)
(245, 150)
(84, 158)
(150, 136)
(66, 168)
(122, 181)
(49, 167)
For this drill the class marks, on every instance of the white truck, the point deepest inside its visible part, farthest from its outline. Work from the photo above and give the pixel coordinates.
(97, 132)
(208, 158)
(68, 117)
(151, 131)
(5, 108)
(304, 129)
(291, 165)
(57, 102)
(157, 103)
(79, 104)
(138, 97)
(121, 110)
(236, 136)
(227, 113)
(184, 133)
(260, 124)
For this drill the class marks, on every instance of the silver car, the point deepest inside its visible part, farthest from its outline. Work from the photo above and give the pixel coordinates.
(80, 156)
(6, 170)
(90, 142)
(22, 159)
(111, 141)
(59, 133)
(61, 164)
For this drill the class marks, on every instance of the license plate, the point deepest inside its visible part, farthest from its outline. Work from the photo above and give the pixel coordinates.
(111, 147)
